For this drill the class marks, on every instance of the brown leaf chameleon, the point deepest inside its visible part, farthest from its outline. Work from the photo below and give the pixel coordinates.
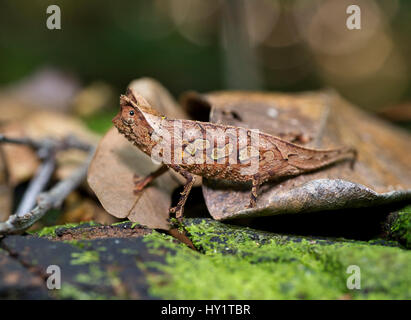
(215, 151)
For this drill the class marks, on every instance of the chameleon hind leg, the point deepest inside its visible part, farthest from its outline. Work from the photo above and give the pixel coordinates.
(178, 210)
(257, 181)
(141, 182)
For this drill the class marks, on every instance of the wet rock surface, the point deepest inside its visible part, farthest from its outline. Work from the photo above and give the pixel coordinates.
(17, 282)
(127, 261)
(95, 268)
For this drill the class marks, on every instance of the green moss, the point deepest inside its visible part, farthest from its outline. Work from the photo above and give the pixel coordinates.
(120, 223)
(237, 263)
(78, 244)
(84, 257)
(69, 291)
(46, 231)
(129, 251)
(401, 228)
(94, 277)
(158, 240)
(99, 278)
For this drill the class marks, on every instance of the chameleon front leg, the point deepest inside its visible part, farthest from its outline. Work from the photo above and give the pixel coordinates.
(190, 179)
(256, 180)
(141, 183)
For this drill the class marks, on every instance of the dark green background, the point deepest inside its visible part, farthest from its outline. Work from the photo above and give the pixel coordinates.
(117, 41)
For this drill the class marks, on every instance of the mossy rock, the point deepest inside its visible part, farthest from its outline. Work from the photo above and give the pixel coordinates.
(241, 263)
(130, 262)
(400, 226)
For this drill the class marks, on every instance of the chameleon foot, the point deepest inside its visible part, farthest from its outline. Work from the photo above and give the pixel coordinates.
(251, 205)
(139, 184)
(254, 192)
(178, 211)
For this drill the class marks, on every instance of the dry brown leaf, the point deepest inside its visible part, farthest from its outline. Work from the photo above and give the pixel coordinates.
(11, 110)
(21, 160)
(110, 176)
(323, 120)
(32, 108)
(158, 96)
(57, 125)
(43, 124)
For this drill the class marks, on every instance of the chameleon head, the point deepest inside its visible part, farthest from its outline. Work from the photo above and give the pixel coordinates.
(126, 115)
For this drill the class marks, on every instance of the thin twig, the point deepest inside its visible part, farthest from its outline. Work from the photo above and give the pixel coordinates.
(26, 141)
(37, 185)
(26, 215)
(69, 142)
(46, 149)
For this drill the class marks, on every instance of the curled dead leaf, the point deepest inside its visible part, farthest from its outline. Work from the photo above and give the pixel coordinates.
(158, 96)
(110, 176)
(381, 175)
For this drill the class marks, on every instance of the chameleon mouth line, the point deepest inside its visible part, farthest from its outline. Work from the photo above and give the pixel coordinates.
(126, 123)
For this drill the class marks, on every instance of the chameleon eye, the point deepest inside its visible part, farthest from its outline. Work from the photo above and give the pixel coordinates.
(131, 113)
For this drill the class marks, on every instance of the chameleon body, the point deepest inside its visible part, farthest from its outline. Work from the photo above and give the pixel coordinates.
(215, 151)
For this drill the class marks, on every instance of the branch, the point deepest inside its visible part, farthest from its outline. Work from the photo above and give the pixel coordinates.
(37, 185)
(26, 141)
(26, 215)
(69, 142)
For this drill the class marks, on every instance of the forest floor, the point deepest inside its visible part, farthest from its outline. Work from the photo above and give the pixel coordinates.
(128, 261)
